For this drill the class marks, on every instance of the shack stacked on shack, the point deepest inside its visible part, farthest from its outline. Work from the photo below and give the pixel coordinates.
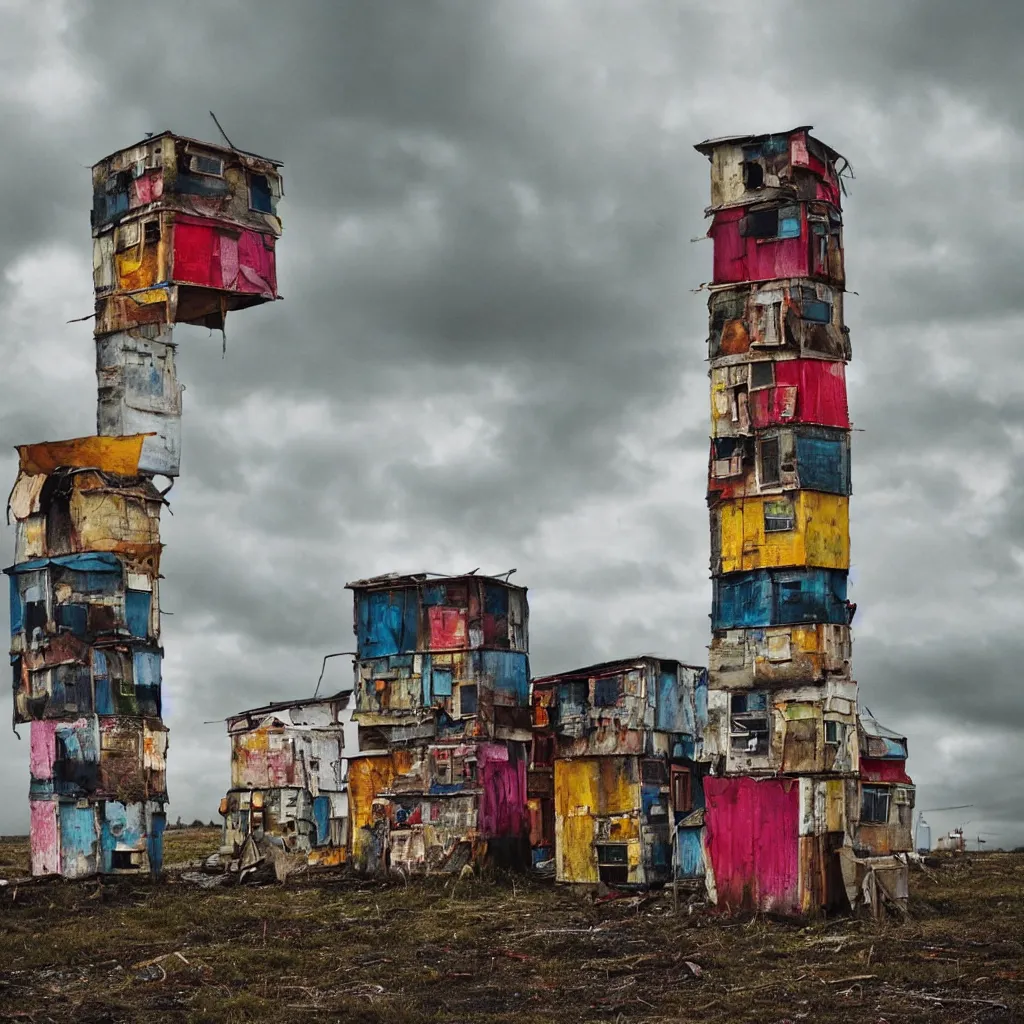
(182, 232)
(791, 823)
(616, 780)
(443, 713)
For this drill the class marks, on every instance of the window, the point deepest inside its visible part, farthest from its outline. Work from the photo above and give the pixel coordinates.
(126, 236)
(762, 375)
(748, 723)
(775, 222)
(833, 732)
(653, 772)
(259, 194)
(682, 799)
(768, 461)
(779, 515)
(152, 232)
(606, 691)
(753, 175)
(727, 457)
(467, 699)
(874, 804)
(613, 863)
(211, 165)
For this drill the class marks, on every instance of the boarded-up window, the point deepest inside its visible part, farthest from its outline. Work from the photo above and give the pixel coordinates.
(874, 804)
(653, 771)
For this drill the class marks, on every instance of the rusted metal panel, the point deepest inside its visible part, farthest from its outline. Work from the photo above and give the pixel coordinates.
(778, 655)
(119, 455)
(139, 393)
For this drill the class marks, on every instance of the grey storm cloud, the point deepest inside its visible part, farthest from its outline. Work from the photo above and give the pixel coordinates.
(491, 348)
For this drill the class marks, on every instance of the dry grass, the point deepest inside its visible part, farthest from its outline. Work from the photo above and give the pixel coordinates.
(505, 949)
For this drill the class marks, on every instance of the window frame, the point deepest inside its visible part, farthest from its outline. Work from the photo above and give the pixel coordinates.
(869, 796)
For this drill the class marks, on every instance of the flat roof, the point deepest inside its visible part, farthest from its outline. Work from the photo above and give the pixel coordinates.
(606, 667)
(709, 145)
(414, 579)
(220, 147)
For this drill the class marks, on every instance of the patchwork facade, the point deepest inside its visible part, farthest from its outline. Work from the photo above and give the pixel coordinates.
(616, 778)
(182, 233)
(798, 816)
(443, 714)
(288, 776)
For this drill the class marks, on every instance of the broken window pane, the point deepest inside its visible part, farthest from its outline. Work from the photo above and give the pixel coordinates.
(748, 723)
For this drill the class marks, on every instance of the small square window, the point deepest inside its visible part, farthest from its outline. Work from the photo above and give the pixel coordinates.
(779, 516)
(652, 771)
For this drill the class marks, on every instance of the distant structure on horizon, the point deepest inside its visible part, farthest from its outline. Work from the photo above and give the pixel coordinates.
(183, 232)
(808, 801)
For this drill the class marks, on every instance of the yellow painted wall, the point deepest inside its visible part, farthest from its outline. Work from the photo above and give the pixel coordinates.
(820, 537)
(585, 788)
(368, 776)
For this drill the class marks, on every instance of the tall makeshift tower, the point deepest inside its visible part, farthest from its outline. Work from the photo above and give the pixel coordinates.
(182, 232)
(782, 704)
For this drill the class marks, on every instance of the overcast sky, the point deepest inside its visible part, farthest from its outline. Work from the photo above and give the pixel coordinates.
(490, 351)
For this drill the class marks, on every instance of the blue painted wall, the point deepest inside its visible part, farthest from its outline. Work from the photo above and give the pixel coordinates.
(386, 622)
(823, 459)
(771, 597)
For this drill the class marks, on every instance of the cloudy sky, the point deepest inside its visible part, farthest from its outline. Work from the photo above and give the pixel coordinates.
(491, 350)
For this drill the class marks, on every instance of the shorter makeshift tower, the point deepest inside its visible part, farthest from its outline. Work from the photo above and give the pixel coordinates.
(442, 707)
(616, 780)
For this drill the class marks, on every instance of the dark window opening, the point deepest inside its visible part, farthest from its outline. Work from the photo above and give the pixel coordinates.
(653, 771)
(121, 860)
(152, 232)
(762, 375)
(760, 224)
(874, 804)
(606, 691)
(682, 798)
(753, 175)
(467, 699)
(833, 732)
(35, 617)
(259, 194)
(768, 450)
(779, 516)
(613, 863)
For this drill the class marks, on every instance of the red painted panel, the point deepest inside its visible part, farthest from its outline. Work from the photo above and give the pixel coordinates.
(820, 395)
(751, 259)
(878, 770)
(503, 810)
(447, 628)
(213, 254)
(753, 842)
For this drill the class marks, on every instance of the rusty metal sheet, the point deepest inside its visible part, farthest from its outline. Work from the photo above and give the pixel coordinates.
(118, 455)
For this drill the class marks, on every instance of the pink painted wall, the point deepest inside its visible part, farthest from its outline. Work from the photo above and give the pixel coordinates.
(751, 259)
(753, 842)
(879, 770)
(42, 751)
(45, 836)
(503, 810)
(820, 395)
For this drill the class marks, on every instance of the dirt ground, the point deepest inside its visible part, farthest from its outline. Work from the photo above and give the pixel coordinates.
(504, 949)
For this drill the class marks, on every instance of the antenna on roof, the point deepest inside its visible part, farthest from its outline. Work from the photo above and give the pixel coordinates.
(323, 667)
(504, 575)
(221, 130)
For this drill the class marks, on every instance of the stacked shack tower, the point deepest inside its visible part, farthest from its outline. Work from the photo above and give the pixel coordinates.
(443, 712)
(182, 233)
(782, 703)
